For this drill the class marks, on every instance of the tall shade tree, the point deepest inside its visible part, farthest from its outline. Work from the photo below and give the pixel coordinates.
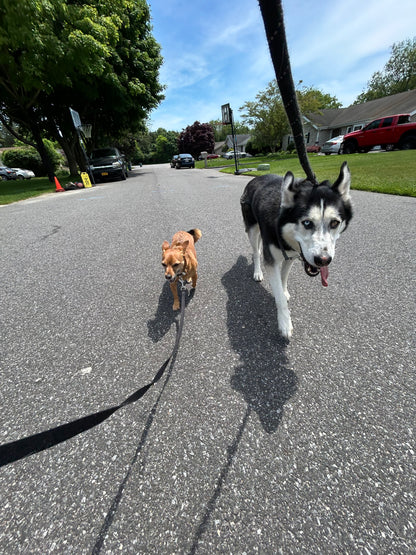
(267, 117)
(398, 75)
(314, 100)
(97, 56)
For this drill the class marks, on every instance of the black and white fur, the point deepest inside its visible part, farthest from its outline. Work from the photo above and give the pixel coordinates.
(303, 219)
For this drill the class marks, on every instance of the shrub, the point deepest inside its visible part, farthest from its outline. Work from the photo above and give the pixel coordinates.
(28, 158)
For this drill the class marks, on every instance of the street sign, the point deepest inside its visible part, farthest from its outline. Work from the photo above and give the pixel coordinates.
(75, 118)
(86, 179)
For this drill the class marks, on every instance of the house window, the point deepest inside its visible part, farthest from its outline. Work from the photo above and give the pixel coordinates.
(357, 127)
(349, 129)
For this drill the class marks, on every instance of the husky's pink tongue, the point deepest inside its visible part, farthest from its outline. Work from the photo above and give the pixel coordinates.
(324, 275)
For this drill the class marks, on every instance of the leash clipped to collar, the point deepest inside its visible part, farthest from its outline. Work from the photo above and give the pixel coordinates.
(272, 13)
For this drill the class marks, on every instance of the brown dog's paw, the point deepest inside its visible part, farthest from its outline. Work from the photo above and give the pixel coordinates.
(176, 306)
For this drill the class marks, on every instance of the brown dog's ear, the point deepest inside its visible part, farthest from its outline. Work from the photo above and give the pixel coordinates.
(185, 245)
(165, 246)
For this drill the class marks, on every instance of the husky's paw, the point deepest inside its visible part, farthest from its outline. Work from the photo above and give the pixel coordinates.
(287, 294)
(258, 276)
(285, 325)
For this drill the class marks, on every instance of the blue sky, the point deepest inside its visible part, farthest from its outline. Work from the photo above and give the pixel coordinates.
(216, 52)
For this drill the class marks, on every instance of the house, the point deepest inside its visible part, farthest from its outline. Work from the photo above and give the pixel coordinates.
(329, 123)
(240, 142)
(219, 147)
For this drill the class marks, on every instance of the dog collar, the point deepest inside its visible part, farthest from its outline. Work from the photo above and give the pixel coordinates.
(283, 250)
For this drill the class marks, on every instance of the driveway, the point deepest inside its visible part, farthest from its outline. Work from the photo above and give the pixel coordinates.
(248, 444)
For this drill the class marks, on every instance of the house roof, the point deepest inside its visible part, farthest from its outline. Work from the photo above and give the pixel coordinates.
(401, 103)
(219, 146)
(240, 140)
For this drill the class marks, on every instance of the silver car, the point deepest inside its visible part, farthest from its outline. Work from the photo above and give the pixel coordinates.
(23, 174)
(332, 146)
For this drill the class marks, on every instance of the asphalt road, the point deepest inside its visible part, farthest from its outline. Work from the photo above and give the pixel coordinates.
(248, 444)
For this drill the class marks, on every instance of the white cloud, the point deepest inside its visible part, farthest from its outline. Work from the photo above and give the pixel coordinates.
(218, 53)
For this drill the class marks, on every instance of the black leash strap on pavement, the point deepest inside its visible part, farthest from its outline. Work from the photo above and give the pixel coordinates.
(16, 450)
(272, 13)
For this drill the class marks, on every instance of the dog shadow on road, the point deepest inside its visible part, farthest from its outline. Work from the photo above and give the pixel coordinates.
(263, 377)
(160, 325)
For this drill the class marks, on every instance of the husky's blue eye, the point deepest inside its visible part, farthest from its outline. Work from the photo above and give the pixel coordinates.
(307, 224)
(333, 224)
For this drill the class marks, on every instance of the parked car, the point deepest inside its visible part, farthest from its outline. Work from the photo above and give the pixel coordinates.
(7, 173)
(333, 146)
(313, 148)
(107, 163)
(23, 174)
(173, 161)
(209, 156)
(230, 154)
(389, 132)
(185, 161)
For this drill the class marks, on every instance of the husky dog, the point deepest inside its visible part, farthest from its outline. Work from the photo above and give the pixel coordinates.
(293, 218)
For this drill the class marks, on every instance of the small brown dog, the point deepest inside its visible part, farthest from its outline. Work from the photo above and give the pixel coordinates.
(179, 260)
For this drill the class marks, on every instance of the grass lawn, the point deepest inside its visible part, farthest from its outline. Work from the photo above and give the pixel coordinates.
(381, 172)
(20, 189)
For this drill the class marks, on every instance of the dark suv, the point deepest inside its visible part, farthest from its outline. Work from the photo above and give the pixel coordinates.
(107, 163)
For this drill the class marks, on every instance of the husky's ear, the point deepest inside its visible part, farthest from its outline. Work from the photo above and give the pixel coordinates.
(342, 184)
(165, 246)
(289, 189)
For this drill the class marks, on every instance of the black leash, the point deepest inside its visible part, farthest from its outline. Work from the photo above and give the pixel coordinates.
(21, 448)
(272, 13)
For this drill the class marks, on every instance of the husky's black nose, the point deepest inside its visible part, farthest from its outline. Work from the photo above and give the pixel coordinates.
(322, 260)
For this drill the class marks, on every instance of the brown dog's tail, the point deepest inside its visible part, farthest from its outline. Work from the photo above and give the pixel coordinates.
(196, 234)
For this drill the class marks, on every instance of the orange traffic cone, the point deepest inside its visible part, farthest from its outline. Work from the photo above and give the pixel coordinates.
(59, 189)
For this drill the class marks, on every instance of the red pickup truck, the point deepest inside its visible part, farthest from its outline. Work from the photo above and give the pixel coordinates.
(389, 132)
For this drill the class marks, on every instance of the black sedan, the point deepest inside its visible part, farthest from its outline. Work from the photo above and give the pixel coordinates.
(185, 161)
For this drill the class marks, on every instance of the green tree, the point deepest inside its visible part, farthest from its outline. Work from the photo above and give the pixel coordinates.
(221, 131)
(267, 116)
(97, 57)
(166, 145)
(314, 100)
(398, 75)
